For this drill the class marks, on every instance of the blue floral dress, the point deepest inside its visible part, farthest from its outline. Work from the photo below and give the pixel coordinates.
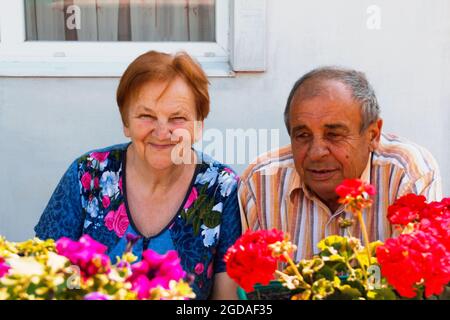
(91, 199)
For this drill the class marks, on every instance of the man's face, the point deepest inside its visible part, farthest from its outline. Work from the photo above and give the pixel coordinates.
(326, 140)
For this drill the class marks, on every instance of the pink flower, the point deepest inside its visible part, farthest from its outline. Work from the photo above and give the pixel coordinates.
(199, 268)
(96, 183)
(100, 156)
(4, 268)
(117, 221)
(96, 296)
(120, 184)
(231, 173)
(228, 170)
(192, 197)
(155, 270)
(86, 253)
(86, 181)
(106, 202)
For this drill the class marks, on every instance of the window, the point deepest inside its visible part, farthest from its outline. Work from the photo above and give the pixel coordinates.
(119, 20)
(79, 38)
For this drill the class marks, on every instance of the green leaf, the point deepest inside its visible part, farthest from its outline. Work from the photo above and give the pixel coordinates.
(198, 203)
(212, 219)
(325, 272)
(349, 293)
(196, 223)
(382, 294)
(191, 214)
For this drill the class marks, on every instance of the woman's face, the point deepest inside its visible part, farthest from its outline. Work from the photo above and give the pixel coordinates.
(161, 123)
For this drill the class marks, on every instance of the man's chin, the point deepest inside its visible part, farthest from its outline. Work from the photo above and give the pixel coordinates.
(323, 189)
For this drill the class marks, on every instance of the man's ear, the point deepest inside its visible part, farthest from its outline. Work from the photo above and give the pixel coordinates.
(375, 134)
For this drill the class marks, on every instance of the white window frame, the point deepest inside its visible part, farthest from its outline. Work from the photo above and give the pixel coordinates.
(21, 58)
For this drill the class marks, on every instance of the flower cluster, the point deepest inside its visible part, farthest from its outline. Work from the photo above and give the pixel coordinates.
(415, 264)
(86, 253)
(420, 256)
(339, 271)
(68, 269)
(355, 194)
(155, 271)
(250, 260)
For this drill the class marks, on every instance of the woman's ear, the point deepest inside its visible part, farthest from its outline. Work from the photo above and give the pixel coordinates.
(126, 130)
(198, 130)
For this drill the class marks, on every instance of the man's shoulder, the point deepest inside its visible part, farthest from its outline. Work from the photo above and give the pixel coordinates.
(269, 163)
(412, 158)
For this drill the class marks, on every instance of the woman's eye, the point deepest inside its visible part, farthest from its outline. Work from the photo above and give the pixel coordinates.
(178, 119)
(146, 116)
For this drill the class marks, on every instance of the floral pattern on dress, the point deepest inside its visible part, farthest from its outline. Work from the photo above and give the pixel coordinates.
(101, 194)
(90, 200)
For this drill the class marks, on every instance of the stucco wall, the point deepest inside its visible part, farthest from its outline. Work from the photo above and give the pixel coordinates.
(46, 122)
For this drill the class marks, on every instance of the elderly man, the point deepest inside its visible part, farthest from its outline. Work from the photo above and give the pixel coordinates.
(333, 120)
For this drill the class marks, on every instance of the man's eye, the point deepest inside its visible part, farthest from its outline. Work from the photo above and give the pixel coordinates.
(302, 135)
(333, 135)
(178, 119)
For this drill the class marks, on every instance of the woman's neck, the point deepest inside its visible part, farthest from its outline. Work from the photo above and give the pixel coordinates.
(154, 179)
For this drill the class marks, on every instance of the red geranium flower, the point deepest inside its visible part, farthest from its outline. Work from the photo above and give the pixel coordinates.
(412, 260)
(406, 209)
(249, 261)
(436, 221)
(355, 194)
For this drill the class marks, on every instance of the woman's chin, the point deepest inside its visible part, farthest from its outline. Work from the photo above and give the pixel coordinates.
(161, 164)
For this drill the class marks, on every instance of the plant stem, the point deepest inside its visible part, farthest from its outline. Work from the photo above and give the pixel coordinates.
(292, 264)
(365, 235)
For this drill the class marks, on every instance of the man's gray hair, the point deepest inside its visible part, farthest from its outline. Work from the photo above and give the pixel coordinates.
(356, 81)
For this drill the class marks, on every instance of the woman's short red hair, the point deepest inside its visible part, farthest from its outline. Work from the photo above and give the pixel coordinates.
(163, 67)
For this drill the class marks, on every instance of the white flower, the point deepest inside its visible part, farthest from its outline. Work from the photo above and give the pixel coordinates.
(210, 235)
(210, 175)
(102, 165)
(218, 207)
(27, 266)
(56, 262)
(227, 183)
(92, 207)
(87, 223)
(109, 182)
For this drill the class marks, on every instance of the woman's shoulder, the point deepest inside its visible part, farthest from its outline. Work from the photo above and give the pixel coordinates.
(209, 162)
(105, 152)
(213, 172)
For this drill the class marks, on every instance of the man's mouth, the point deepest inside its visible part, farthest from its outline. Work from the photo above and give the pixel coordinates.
(322, 174)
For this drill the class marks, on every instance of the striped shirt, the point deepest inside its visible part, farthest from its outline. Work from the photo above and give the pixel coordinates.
(272, 195)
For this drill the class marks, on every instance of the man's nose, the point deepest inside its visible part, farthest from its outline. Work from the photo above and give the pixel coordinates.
(318, 149)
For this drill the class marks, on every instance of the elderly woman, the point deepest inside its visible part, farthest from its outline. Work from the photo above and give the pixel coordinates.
(156, 188)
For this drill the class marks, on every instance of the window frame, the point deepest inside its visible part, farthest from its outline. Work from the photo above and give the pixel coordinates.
(22, 58)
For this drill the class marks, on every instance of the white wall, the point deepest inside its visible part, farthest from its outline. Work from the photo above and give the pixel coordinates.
(46, 123)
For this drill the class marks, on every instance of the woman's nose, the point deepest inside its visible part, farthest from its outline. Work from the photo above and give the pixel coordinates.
(162, 130)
